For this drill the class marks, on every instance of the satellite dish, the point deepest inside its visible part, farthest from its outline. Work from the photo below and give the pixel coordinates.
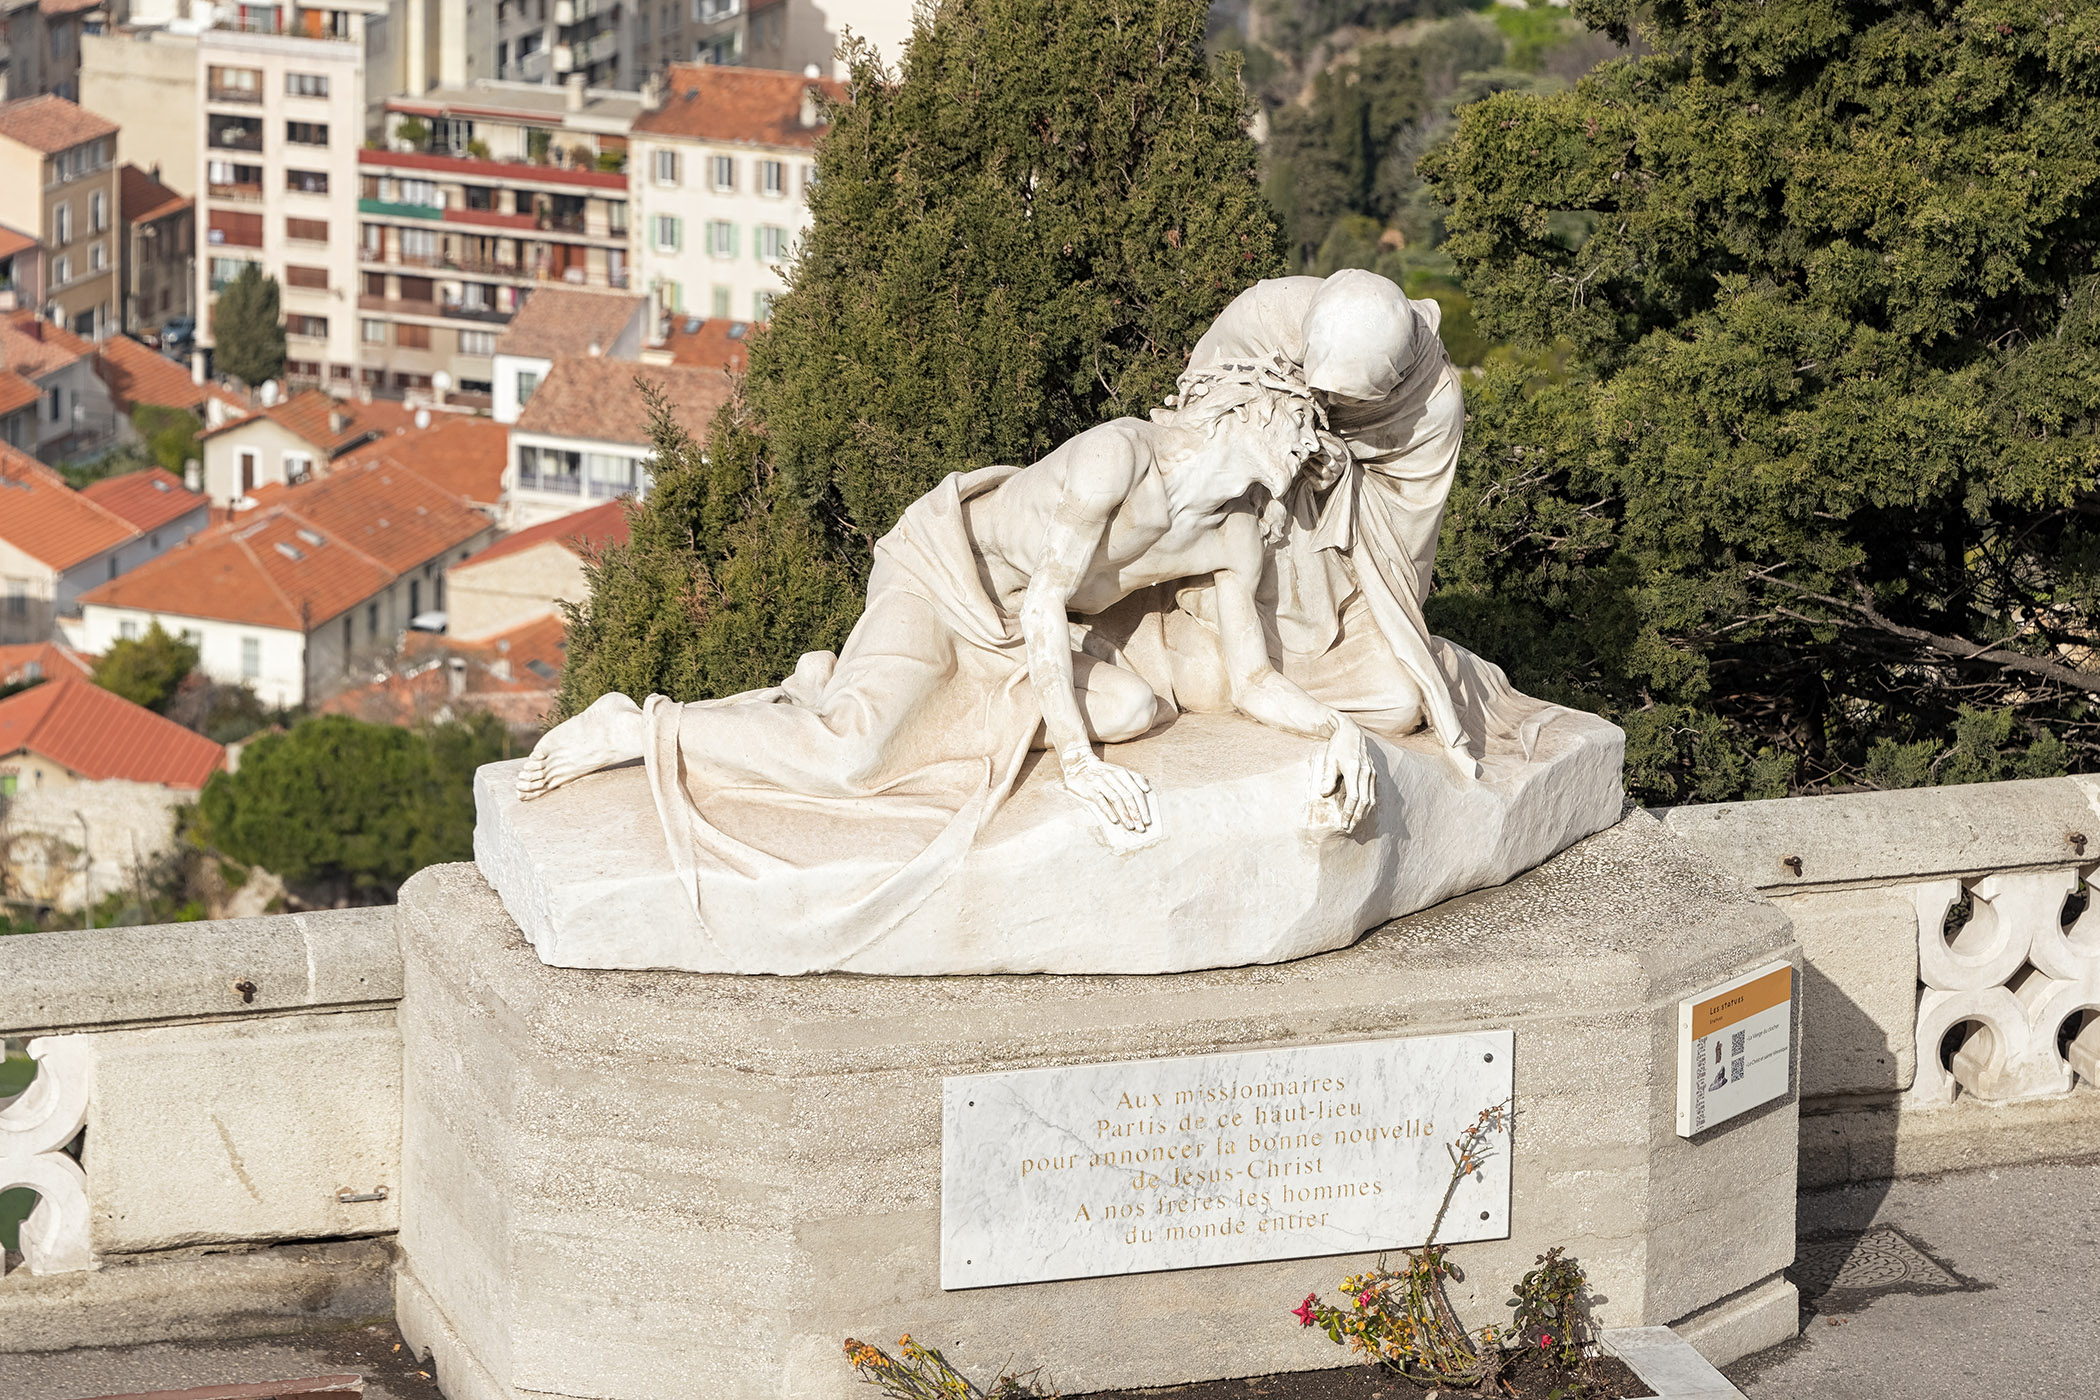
(422, 417)
(441, 381)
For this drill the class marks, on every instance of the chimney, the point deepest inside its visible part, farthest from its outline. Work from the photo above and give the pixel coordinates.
(197, 367)
(576, 92)
(652, 92)
(192, 474)
(456, 677)
(809, 116)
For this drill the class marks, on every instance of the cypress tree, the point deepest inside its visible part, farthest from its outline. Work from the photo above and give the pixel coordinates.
(247, 328)
(1020, 237)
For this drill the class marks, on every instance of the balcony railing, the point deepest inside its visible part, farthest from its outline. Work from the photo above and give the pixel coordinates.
(226, 94)
(249, 192)
(488, 315)
(234, 139)
(560, 483)
(389, 209)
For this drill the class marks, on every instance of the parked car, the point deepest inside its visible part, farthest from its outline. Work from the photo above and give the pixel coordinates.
(178, 332)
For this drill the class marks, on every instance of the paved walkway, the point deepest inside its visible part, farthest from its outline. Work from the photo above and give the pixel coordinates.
(389, 1374)
(1976, 1284)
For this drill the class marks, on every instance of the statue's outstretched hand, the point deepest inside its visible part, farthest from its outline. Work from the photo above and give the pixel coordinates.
(1122, 796)
(1346, 765)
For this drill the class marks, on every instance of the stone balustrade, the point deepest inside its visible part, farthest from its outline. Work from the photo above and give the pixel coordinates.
(1951, 1001)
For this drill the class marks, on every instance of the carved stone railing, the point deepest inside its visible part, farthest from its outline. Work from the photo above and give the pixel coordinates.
(203, 1094)
(1951, 1000)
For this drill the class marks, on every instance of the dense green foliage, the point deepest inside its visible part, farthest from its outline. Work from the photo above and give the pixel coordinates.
(1811, 505)
(169, 435)
(146, 670)
(348, 808)
(1021, 237)
(247, 328)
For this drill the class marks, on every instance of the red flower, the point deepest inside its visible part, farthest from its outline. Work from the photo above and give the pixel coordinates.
(1304, 1311)
(1545, 1339)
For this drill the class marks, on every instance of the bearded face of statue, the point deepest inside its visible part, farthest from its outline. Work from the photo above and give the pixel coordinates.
(1359, 338)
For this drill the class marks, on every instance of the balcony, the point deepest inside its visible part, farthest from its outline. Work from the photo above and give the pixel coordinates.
(486, 315)
(233, 138)
(250, 96)
(240, 192)
(561, 483)
(567, 12)
(390, 210)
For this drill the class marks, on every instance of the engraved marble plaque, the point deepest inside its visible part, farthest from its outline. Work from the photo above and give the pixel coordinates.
(1140, 1165)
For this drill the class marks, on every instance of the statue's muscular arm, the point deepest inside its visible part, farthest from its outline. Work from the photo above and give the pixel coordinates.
(1261, 694)
(1100, 470)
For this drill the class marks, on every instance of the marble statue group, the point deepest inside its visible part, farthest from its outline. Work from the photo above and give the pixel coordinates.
(1259, 547)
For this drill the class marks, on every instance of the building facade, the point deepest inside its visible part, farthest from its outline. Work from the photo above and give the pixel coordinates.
(160, 252)
(284, 118)
(139, 77)
(43, 45)
(509, 188)
(720, 169)
(58, 184)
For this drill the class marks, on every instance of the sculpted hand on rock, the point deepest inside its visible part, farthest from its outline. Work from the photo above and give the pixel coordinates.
(1121, 796)
(1345, 765)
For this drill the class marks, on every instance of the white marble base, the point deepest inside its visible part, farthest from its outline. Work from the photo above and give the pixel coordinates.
(1240, 869)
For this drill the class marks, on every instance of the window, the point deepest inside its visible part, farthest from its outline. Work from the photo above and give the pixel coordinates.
(235, 228)
(528, 380)
(298, 466)
(300, 324)
(721, 238)
(17, 597)
(61, 270)
(551, 469)
(234, 84)
(251, 658)
(98, 258)
(415, 597)
(98, 211)
(374, 331)
(56, 402)
(772, 177)
(719, 303)
(225, 133)
(224, 270)
(423, 192)
(307, 230)
(671, 296)
(762, 306)
(349, 638)
(616, 216)
(306, 85)
(62, 224)
(666, 166)
(809, 177)
(314, 278)
(306, 133)
(772, 243)
(721, 172)
(477, 342)
(412, 337)
(306, 181)
(667, 231)
(371, 619)
(248, 459)
(240, 181)
(375, 242)
(419, 245)
(128, 629)
(607, 476)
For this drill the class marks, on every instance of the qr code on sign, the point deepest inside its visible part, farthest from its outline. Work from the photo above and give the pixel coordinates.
(1735, 1068)
(1735, 1043)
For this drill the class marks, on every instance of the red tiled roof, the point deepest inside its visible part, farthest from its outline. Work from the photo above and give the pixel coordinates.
(512, 675)
(13, 241)
(461, 454)
(328, 423)
(715, 343)
(594, 528)
(137, 374)
(393, 516)
(752, 106)
(141, 197)
(264, 570)
(32, 347)
(558, 321)
(51, 124)
(53, 9)
(595, 398)
(148, 499)
(34, 661)
(100, 735)
(48, 520)
(16, 393)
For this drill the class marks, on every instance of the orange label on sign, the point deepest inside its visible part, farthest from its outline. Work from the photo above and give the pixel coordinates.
(1718, 1013)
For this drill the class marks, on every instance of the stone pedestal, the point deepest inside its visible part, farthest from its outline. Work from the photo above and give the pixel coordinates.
(648, 1185)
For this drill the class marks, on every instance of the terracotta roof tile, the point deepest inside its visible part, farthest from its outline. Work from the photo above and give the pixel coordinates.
(148, 499)
(463, 455)
(586, 529)
(13, 241)
(48, 520)
(36, 661)
(597, 399)
(391, 515)
(558, 321)
(752, 106)
(327, 423)
(50, 124)
(269, 568)
(512, 675)
(715, 343)
(142, 198)
(33, 348)
(100, 735)
(137, 374)
(16, 393)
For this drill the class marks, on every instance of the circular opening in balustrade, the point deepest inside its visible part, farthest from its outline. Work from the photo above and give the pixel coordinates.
(2078, 1043)
(1972, 1036)
(15, 1205)
(2087, 939)
(1964, 931)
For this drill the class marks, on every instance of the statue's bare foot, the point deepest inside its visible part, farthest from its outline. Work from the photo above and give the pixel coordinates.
(609, 732)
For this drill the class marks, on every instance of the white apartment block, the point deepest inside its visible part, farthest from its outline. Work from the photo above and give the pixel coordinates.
(284, 118)
(718, 170)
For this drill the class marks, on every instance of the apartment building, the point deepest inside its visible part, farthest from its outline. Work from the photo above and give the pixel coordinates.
(284, 118)
(560, 41)
(43, 39)
(583, 438)
(141, 77)
(160, 251)
(496, 188)
(720, 168)
(58, 184)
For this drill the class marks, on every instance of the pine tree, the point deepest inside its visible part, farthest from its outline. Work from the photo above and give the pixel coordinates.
(1809, 505)
(1022, 236)
(247, 328)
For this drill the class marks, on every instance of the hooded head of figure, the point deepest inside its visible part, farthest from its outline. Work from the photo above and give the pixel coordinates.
(1359, 336)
